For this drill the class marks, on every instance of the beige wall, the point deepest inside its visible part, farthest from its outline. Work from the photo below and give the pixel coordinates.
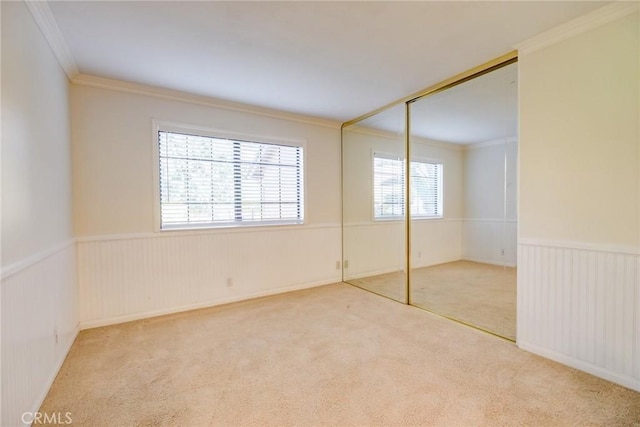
(358, 172)
(113, 166)
(39, 292)
(489, 230)
(579, 138)
(36, 161)
(484, 180)
(127, 271)
(578, 276)
(373, 247)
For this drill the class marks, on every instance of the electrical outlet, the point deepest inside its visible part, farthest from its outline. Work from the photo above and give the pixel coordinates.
(337, 265)
(346, 263)
(55, 334)
(229, 282)
(502, 252)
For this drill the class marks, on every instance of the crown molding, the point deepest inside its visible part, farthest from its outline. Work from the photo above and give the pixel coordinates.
(500, 141)
(400, 137)
(609, 13)
(49, 27)
(174, 95)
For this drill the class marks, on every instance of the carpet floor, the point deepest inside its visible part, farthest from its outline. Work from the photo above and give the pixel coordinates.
(334, 355)
(482, 295)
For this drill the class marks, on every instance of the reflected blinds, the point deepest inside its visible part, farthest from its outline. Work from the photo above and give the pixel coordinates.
(388, 188)
(426, 189)
(207, 181)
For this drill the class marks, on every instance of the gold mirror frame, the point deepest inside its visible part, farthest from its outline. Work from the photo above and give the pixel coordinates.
(458, 79)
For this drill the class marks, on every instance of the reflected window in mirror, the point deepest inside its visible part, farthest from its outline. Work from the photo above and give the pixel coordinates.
(388, 188)
(426, 189)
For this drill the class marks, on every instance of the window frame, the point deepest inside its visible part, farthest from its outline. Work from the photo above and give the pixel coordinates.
(440, 188)
(168, 126)
(390, 156)
(401, 158)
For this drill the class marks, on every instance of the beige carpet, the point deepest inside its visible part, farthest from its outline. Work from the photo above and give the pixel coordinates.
(334, 355)
(391, 285)
(478, 294)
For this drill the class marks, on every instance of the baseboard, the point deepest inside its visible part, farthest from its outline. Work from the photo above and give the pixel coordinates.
(623, 380)
(206, 304)
(488, 261)
(373, 273)
(47, 385)
(415, 265)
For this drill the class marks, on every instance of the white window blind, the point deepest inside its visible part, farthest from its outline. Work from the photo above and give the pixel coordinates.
(426, 190)
(388, 184)
(207, 181)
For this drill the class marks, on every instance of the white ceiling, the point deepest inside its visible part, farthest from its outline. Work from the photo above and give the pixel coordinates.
(333, 60)
(480, 110)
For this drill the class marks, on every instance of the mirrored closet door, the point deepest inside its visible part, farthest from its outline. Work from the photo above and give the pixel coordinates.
(373, 184)
(463, 147)
(446, 162)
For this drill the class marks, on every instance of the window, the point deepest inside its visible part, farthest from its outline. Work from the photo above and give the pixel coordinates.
(208, 181)
(388, 184)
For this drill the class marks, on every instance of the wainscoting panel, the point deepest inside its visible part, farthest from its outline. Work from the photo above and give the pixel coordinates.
(379, 247)
(490, 241)
(39, 324)
(125, 278)
(581, 306)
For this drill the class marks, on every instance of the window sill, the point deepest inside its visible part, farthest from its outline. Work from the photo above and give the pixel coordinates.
(229, 227)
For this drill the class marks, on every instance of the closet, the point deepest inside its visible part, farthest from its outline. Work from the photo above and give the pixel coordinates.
(438, 231)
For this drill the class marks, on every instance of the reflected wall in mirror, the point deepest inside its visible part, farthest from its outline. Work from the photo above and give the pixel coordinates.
(374, 228)
(463, 147)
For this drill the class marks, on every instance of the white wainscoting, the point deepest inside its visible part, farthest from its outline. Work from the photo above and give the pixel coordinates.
(378, 247)
(123, 278)
(580, 305)
(483, 240)
(39, 324)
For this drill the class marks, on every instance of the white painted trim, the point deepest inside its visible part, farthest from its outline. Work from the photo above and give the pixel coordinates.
(501, 141)
(498, 220)
(380, 222)
(432, 142)
(27, 262)
(204, 231)
(51, 32)
(488, 261)
(597, 18)
(177, 127)
(585, 246)
(148, 314)
(626, 381)
(208, 131)
(374, 273)
(437, 144)
(47, 384)
(397, 138)
(155, 173)
(395, 221)
(174, 95)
